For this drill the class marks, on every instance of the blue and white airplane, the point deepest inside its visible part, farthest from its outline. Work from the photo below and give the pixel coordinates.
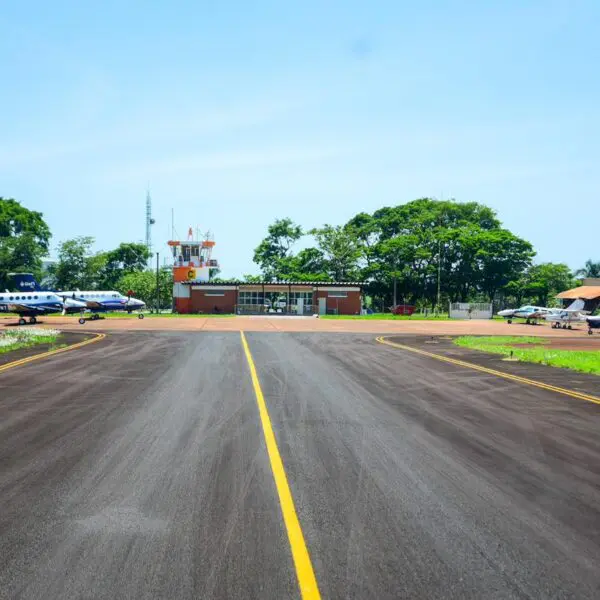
(593, 323)
(36, 304)
(96, 301)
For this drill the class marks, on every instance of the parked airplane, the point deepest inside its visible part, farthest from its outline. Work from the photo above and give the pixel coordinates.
(529, 313)
(593, 323)
(36, 304)
(558, 316)
(564, 317)
(96, 301)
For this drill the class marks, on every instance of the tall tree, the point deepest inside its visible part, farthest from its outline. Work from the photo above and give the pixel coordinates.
(501, 257)
(77, 267)
(24, 240)
(591, 269)
(273, 254)
(340, 249)
(129, 257)
(544, 281)
(143, 286)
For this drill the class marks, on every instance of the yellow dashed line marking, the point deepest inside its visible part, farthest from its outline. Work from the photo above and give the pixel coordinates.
(468, 365)
(24, 361)
(304, 570)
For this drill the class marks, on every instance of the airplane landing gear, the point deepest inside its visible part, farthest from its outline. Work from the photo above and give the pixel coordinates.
(32, 320)
(509, 321)
(22, 321)
(81, 321)
(141, 316)
(590, 331)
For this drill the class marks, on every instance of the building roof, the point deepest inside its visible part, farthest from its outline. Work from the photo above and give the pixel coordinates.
(585, 292)
(281, 283)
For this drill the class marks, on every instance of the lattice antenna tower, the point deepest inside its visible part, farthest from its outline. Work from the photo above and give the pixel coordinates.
(149, 222)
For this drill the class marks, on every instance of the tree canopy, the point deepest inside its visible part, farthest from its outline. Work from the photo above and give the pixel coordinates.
(24, 240)
(591, 269)
(434, 250)
(426, 243)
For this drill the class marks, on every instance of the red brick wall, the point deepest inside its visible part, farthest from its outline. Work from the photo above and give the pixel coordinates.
(182, 305)
(202, 303)
(345, 306)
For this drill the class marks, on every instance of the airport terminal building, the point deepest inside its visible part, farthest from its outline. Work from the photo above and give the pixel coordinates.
(288, 297)
(194, 291)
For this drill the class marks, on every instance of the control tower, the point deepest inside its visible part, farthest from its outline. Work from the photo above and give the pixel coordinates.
(192, 259)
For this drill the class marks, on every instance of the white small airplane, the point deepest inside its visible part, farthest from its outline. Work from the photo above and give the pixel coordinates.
(527, 312)
(36, 304)
(558, 316)
(574, 313)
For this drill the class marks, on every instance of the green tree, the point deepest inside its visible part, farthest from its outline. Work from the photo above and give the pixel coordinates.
(501, 257)
(273, 254)
(591, 269)
(340, 251)
(309, 264)
(544, 281)
(24, 240)
(129, 257)
(143, 286)
(77, 267)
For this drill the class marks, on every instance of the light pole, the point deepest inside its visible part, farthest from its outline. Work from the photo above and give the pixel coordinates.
(439, 277)
(157, 286)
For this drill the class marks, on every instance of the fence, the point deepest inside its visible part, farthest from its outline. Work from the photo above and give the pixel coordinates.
(475, 310)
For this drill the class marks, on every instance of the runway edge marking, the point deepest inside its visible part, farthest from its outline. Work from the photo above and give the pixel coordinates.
(468, 365)
(304, 570)
(24, 361)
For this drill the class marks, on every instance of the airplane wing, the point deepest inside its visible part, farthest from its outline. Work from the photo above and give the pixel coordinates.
(538, 314)
(24, 308)
(91, 303)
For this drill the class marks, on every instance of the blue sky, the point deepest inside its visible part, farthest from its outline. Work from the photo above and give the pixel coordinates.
(236, 113)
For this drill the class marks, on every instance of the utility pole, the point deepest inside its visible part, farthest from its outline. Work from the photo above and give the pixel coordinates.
(157, 285)
(395, 280)
(439, 277)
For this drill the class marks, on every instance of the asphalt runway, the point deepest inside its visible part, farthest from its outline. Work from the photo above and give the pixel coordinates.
(136, 467)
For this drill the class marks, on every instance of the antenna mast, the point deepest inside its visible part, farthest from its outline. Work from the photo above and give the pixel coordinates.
(149, 221)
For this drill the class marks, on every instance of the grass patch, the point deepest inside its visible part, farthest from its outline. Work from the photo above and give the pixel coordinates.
(15, 339)
(582, 361)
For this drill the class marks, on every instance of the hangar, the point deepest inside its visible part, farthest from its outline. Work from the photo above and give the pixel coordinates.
(267, 297)
(589, 290)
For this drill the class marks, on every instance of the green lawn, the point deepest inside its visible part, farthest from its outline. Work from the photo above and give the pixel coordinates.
(583, 361)
(14, 339)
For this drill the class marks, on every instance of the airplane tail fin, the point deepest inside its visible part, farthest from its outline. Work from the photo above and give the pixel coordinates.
(25, 282)
(579, 304)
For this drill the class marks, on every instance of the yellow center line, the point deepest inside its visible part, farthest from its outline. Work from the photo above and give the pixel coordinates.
(304, 570)
(468, 365)
(24, 361)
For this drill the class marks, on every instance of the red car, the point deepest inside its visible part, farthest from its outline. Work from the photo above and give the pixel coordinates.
(403, 309)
